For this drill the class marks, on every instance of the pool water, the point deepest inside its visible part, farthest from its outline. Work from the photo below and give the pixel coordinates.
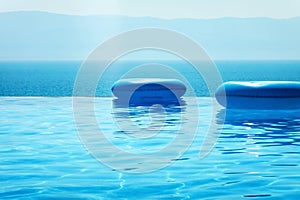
(256, 156)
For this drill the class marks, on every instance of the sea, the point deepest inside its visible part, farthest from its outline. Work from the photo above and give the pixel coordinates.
(184, 151)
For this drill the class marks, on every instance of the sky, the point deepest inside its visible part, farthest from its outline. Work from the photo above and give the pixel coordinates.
(43, 35)
(168, 9)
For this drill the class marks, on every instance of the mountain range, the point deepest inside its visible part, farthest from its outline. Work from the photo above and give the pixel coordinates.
(32, 35)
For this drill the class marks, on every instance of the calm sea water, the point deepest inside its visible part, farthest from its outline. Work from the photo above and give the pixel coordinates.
(256, 155)
(57, 78)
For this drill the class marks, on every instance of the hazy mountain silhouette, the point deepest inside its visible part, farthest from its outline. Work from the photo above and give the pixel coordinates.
(41, 35)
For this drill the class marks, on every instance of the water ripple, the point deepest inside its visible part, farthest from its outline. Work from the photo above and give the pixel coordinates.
(42, 156)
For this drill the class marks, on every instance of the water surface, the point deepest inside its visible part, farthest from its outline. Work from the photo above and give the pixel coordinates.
(42, 156)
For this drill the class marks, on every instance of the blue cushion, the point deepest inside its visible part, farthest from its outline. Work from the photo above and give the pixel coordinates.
(259, 95)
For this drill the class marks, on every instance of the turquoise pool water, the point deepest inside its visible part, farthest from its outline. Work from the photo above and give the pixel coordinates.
(256, 156)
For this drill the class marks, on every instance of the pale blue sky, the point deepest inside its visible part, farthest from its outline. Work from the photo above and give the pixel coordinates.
(162, 8)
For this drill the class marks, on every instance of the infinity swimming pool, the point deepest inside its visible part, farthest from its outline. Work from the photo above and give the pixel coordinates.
(257, 153)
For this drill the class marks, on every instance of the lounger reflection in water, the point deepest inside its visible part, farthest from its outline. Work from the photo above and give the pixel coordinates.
(143, 107)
